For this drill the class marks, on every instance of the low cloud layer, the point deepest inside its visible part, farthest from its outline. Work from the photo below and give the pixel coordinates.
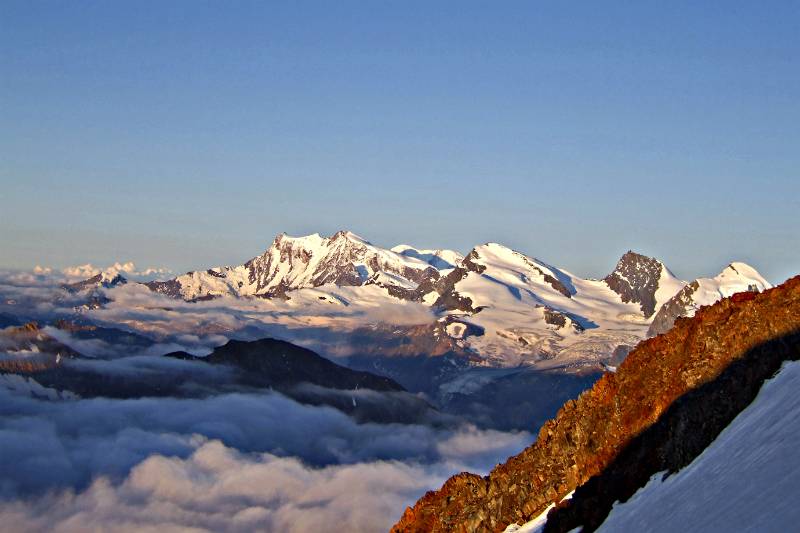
(238, 461)
(198, 327)
(235, 462)
(219, 489)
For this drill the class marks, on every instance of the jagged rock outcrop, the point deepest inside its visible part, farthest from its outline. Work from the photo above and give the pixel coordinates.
(637, 278)
(276, 363)
(102, 280)
(590, 433)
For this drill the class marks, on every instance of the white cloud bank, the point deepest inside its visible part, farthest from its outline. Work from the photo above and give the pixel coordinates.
(235, 462)
(220, 489)
(89, 270)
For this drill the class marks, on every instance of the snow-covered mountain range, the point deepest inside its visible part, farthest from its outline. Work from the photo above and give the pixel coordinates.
(737, 277)
(496, 304)
(293, 263)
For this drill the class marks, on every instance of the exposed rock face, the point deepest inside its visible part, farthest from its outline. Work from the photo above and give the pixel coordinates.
(475, 262)
(560, 320)
(449, 299)
(171, 288)
(680, 305)
(431, 339)
(589, 434)
(28, 349)
(96, 282)
(636, 279)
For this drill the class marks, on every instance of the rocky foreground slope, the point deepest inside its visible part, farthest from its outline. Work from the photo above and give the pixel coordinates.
(668, 400)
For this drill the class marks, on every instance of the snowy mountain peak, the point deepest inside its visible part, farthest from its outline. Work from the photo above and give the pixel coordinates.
(519, 265)
(105, 280)
(644, 280)
(736, 277)
(290, 263)
(349, 236)
(739, 270)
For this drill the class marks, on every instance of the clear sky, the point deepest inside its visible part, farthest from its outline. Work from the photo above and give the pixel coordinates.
(187, 134)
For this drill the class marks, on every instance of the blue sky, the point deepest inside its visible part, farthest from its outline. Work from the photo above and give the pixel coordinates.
(187, 134)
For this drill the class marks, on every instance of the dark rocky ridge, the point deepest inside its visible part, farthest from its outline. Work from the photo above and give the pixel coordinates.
(95, 282)
(30, 338)
(171, 287)
(448, 298)
(238, 366)
(275, 363)
(635, 279)
(733, 339)
(674, 308)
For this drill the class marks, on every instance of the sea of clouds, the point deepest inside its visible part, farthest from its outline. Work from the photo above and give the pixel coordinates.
(241, 461)
(233, 462)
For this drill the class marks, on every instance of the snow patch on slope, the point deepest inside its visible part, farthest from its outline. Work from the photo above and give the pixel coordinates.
(537, 524)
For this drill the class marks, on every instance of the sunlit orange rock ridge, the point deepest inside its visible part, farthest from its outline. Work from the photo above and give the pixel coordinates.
(589, 432)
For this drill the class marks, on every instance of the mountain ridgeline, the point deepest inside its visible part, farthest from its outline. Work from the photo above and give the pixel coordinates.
(237, 366)
(494, 305)
(667, 401)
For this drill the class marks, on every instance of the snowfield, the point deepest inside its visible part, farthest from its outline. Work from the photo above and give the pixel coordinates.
(746, 480)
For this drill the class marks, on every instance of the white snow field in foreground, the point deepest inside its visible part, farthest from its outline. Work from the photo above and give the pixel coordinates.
(748, 479)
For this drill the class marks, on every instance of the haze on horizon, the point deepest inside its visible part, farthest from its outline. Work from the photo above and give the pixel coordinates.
(188, 135)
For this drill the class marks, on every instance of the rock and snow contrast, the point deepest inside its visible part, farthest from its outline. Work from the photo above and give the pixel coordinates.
(493, 341)
(512, 309)
(745, 481)
(455, 327)
(737, 277)
(689, 403)
(292, 263)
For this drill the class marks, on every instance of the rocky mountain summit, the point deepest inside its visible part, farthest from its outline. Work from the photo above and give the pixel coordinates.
(102, 280)
(668, 400)
(643, 280)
